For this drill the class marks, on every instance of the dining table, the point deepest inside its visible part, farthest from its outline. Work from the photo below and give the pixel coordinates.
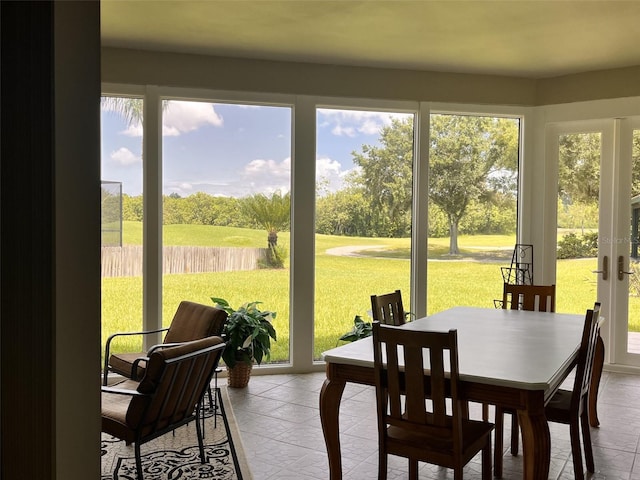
(513, 358)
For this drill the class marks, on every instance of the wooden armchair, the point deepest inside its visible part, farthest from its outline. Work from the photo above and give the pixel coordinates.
(168, 396)
(191, 321)
(407, 425)
(388, 309)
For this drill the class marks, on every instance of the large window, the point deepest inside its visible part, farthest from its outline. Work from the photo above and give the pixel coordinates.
(122, 197)
(364, 165)
(221, 174)
(226, 207)
(473, 193)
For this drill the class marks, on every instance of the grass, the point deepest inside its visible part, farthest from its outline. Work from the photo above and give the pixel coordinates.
(343, 283)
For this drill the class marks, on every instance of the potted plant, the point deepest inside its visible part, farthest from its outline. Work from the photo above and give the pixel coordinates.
(361, 329)
(248, 332)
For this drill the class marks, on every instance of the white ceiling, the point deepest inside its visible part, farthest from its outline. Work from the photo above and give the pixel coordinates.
(534, 39)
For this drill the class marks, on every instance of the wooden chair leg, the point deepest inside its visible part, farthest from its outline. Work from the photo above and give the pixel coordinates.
(586, 442)
(576, 451)
(413, 469)
(598, 361)
(485, 412)
(498, 443)
(382, 465)
(515, 433)
(457, 473)
(486, 460)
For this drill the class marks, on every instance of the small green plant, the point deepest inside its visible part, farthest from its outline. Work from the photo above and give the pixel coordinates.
(361, 329)
(248, 333)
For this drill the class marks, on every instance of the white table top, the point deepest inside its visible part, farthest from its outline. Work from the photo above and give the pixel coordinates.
(512, 348)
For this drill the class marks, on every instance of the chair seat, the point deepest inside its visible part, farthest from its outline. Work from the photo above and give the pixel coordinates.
(121, 363)
(559, 407)
(473, 434)
(114, 412)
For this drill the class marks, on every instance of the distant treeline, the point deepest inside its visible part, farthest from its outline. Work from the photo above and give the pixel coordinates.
(341, 213)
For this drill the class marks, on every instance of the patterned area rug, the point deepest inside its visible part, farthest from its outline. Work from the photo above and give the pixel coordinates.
(176, 456)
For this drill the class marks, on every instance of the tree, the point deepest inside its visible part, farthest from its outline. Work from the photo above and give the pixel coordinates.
(386, 175)
(345, 212)
(130, 109)
(467, 156)
(579, 168)
(272, 213)
(472, 160)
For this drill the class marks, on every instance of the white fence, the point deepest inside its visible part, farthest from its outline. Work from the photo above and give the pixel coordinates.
(127, 261)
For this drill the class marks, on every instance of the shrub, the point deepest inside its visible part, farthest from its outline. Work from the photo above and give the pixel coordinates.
(634, 280)
(574, 246)
(276, 256)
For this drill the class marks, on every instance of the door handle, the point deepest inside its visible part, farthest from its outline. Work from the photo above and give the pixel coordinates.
(621, 271)
(605, 268)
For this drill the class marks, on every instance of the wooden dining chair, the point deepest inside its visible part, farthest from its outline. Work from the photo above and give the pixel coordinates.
(410, 427)
(388, 309)
(571, 407)
(541, 298)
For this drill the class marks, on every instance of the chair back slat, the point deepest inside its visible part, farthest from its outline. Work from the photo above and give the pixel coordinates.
(584, 365)
(541, 298)
(388, 309)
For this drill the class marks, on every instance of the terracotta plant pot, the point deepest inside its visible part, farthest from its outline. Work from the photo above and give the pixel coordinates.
(238, 376)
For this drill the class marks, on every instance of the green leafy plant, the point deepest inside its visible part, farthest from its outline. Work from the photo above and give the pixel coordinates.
(248, 333)
(361, 329)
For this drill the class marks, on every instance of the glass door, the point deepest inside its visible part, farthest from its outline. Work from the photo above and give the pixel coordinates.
(626, 327)
(595, 227)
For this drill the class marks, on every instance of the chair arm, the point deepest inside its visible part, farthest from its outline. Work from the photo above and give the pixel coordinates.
(164, 345)
(107, 347)
(134, 366)
(123, 391)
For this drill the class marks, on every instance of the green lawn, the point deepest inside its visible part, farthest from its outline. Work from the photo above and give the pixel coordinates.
(343, 283)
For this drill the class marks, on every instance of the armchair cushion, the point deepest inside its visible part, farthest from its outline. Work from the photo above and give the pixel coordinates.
(122, 362)
(193, 321)
(115, 411)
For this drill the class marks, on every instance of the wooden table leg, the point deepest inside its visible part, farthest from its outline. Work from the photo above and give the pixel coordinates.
(596, 374)
(330, 396)
(536, 443)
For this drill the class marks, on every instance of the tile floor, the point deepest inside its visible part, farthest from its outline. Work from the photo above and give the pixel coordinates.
(280, 425)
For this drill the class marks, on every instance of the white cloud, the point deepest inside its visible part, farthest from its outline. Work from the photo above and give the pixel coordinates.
(181, 117)
(326, 167)
(265, 169)
(133, 130)
(330, 177)
(351, 122)
(125, 157)
(341, 131)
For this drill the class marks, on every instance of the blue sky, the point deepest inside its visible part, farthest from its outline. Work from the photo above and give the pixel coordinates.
(234, 150)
